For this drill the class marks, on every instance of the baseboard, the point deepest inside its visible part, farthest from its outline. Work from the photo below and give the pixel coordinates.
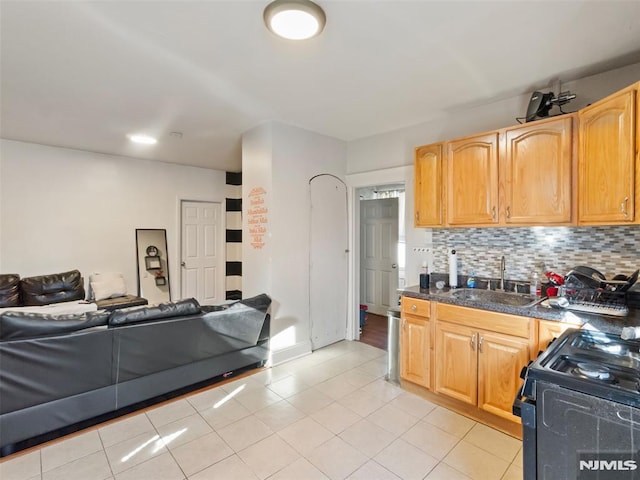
(289, 353)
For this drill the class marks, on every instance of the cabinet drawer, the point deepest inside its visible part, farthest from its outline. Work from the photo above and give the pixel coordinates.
(415, 306)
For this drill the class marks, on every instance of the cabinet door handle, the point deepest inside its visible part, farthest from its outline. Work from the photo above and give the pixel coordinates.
(480, 343)
(493, 213)
(473, 341)
(414, 308)
(417, 215)
(623, 206)
(508, 213)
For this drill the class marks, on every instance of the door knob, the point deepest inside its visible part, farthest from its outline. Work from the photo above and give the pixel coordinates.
(394, 265)
(182, 264)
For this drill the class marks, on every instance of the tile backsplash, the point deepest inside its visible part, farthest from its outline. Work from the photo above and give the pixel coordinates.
(611, 250)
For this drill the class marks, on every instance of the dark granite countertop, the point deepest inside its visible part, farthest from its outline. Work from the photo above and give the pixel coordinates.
(610, 324)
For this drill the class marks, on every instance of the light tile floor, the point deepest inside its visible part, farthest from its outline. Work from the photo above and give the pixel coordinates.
(329, 415)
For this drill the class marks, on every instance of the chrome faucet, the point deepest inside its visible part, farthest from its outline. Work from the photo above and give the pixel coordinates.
(503, 267)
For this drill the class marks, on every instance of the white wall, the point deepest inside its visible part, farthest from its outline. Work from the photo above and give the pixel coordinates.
(256, 173)
(282, 159)
(62, 209)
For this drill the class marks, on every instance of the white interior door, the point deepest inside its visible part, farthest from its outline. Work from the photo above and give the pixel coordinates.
(202, 264)
(379, 254)
(328, 261)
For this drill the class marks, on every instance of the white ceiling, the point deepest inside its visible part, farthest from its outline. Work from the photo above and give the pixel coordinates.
(84, 74)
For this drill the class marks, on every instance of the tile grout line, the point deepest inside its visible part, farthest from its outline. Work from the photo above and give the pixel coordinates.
(104, 451)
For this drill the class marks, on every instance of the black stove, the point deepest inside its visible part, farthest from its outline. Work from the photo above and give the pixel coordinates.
(590, 362)
(580, 408)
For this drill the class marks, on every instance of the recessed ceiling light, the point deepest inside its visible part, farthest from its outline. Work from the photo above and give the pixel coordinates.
(140, 138)
(294, 19)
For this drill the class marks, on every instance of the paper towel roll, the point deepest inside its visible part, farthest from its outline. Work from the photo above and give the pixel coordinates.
(453, 269)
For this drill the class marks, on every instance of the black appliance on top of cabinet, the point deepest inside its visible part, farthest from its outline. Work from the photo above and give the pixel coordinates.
(580, 409)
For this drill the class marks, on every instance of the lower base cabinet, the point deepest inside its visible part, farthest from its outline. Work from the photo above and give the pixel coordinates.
(415, 342)
(500, 360)
(456, 362)
(470, 359)
(477, 365)
(548, 331)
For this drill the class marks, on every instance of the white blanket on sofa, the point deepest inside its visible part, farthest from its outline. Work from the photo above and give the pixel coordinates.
(62, 308)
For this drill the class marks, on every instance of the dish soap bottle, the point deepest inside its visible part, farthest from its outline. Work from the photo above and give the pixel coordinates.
(471, 281)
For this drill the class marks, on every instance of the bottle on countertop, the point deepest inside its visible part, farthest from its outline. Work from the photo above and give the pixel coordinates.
(424, 276)
(471, 281)
(534, 286)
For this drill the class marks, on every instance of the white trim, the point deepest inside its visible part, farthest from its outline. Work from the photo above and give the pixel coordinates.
(380, 177)
(290, 353)
(354, 181)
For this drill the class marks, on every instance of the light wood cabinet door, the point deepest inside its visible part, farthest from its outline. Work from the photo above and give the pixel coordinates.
(536, 170)
(500, 360)
(472, 180)
(548, 330)
(428, 186)
(606, 160)
(457, 362)
(415, 346)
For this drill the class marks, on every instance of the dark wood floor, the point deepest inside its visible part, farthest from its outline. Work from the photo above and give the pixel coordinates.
(374, 332)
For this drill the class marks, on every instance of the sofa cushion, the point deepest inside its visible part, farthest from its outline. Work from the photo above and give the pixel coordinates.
(9, 290)
(53, 288)
(164, 310)
(16, 325)
(107, 285)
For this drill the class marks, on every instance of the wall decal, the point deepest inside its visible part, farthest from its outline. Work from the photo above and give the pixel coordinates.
(257, 217)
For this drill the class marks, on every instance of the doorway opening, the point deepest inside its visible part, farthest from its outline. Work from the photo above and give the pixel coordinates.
(381, 262)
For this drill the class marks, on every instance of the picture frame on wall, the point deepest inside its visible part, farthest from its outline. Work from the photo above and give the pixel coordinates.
(152, 263)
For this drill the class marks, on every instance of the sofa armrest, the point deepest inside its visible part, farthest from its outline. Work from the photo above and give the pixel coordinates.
(9, 290)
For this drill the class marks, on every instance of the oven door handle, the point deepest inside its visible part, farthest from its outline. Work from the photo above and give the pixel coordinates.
(521, 399)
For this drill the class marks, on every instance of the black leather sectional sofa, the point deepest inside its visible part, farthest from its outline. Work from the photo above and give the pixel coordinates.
(56, 371)
(40, 290)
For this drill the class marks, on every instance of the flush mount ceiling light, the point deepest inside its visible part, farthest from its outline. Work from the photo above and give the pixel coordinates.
(294, 19)
(140, 138)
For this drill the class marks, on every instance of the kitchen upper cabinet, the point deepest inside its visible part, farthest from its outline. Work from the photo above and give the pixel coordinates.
(536, 171)
(415, 342)
(607, 160)
(428, 186)
(539, 173)
(472, 180)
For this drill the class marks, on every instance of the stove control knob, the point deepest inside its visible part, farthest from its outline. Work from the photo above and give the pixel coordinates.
(523, 372)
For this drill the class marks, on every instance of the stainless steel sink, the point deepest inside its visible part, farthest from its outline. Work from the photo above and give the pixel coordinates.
(490, 296)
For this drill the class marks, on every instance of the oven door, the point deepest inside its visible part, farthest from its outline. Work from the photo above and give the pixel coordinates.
(525, 408)
(584, 437)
